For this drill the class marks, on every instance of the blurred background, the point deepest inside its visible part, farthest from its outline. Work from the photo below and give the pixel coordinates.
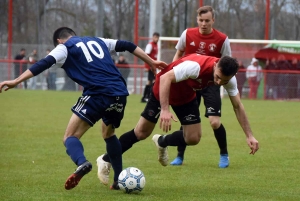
(29, 25)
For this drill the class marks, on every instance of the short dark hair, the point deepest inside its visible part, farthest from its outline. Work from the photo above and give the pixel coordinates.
(206, 9)
(62, 33)
(156, 34)
(229, 66)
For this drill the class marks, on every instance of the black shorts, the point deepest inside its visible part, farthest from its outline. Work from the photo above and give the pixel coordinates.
(151, 76)
(212, 100)
(187, 114)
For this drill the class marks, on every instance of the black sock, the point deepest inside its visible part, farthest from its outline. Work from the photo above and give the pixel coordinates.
(174, 139)
(181, 149)
(114, 150)
(149, 91)
(220, 135)
(146, 91)
(126, 140)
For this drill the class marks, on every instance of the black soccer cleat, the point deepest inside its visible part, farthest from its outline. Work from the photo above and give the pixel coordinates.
(74, 178)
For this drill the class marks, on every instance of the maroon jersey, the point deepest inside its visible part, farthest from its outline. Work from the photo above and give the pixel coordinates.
(184, 91)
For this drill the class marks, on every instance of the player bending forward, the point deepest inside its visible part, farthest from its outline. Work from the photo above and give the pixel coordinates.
(175, 86)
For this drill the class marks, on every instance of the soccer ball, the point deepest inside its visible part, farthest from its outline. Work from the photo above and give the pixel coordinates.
(131, 180)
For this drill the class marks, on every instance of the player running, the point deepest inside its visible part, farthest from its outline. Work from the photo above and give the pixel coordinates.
(87, 61)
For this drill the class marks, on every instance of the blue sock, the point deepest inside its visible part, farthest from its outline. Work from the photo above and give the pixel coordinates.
(114, 151)
(75, 150)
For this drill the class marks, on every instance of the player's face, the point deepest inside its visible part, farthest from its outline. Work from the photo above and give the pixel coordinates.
(219, 78)
(205, 23)
(155, 39)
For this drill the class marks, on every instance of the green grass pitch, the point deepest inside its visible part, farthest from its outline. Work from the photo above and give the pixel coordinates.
(34, 165)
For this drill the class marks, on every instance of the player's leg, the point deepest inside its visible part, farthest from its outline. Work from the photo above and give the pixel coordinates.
(212, 102)
(113, 115)
(181, 149)
(148, 87)
(142, 130)
(114, 152)
(189, 117)
(74, 148)
(83, 118)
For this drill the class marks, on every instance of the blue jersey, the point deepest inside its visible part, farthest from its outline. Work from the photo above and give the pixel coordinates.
(87, 61)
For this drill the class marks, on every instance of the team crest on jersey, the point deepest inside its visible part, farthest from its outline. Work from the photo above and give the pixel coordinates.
(212, 47)
(201, 49)
(202, 45)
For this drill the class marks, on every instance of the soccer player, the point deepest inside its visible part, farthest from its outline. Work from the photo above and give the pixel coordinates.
(175, 86)
(87, 61)
(206, 40)
(151, 50)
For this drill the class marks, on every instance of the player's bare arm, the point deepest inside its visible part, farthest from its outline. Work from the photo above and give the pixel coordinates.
(243, 120)
(154, 64)
(178, 55)
(12, 83)
(164, 93)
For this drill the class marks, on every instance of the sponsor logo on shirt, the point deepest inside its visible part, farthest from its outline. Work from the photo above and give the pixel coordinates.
(192, 43)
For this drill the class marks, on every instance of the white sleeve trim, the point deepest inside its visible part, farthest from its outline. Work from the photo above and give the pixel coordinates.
(181, 44)
(186, 70)
(60, 53)
(226, 50)
(148, 48)
(231, 87)
(110, 43)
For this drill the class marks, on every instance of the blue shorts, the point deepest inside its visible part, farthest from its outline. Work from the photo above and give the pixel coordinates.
(108, 108)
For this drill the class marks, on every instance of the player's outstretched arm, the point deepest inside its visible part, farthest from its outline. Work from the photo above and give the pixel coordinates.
(153, 63)
(12, 83)
(243, 120)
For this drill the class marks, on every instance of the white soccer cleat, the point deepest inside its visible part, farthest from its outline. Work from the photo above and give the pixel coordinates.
(163, 157)
(103, 170)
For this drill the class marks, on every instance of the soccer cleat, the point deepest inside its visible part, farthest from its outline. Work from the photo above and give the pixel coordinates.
(115, 186)
(163, 157)
(224, 161)
(74, 178)
(103, 170)
(177, 161)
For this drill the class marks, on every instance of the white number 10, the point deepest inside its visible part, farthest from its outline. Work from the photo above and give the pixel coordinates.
(86, 52)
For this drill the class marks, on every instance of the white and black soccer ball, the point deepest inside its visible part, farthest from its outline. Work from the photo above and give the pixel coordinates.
(131, 180)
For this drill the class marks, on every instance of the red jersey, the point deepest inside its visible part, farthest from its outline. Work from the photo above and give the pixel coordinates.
(183, 92)
(210, 44)
(151, 50)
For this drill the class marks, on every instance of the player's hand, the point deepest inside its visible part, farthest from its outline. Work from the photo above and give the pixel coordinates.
(9, 84)
(166, 120)
(159, 65)
(253, 144)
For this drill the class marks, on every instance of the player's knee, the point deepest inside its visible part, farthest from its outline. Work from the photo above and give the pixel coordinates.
(193, 139)
(141, 135)
(215, 122)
